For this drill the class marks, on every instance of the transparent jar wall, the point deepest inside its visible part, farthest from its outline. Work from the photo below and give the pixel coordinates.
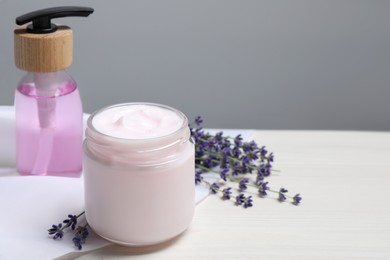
(139, 202)
(48, 125)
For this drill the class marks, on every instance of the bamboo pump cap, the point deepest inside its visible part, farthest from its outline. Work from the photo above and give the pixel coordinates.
(43, 52)
(42, 46)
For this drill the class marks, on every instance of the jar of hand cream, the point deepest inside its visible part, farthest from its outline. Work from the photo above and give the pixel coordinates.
(139, 173)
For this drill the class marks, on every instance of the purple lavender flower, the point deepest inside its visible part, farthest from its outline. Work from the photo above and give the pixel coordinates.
(236, 152)
(267, 169)
(84, 233)
(263, 151)
(198, 134)
(212, 144)
(209, 162)
(54, 229)
(226, 193)
(57, 231)
(246, 164)
(248, 202)
(198, 177)
(259, 179)
(198, 120)
(264, 170)
(242, 185)
(270, 157)
(240, 198)
(238, 140)
(263, 189)
(297, 199)
(71, 221)
(223, 173)
(246, 147)
(246, 167)
(77, 242)
(282, 197)
(236, 168)
(219, 136)
(80, 237)
(246, 159)
(224, 163)
(253, 155)
(214, 188)
(227, 151)
(253, 145)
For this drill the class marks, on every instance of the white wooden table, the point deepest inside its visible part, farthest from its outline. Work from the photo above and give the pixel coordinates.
(344, 179)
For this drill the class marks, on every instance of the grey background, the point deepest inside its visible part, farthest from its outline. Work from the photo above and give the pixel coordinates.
(239, 64)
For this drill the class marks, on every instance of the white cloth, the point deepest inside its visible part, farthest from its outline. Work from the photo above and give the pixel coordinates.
(30, 205)
(7, 136)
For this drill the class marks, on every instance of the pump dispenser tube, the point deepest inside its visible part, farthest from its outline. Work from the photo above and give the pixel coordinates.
(46, 104)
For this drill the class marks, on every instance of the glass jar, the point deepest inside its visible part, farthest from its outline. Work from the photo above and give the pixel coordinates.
(139, 191)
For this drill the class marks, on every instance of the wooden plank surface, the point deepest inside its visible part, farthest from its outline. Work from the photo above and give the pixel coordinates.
(344, 179)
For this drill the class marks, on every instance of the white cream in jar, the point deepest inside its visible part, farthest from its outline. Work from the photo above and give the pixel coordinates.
(138, 121)
(139, 173)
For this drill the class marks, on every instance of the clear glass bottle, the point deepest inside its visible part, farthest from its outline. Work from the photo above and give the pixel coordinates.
(48, 110)
(49, 126)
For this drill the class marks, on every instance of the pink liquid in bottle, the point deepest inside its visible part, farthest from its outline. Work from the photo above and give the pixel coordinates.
(49, 127)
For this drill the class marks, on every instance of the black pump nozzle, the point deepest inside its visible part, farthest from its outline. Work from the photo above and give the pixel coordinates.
(41, 19)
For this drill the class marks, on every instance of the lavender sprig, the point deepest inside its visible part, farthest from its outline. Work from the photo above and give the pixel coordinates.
(226, 194)
(233, 158)
(57, 231)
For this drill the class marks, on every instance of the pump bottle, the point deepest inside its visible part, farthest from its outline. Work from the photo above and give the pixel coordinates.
(48, 107)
